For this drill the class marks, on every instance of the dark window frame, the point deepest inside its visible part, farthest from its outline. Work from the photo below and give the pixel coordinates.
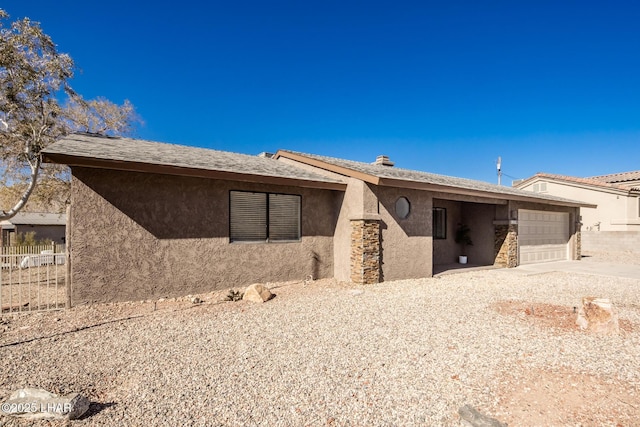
(435, 229)
(267, 214)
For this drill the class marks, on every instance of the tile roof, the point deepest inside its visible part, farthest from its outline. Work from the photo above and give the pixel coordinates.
(136, 151)
(587, 181)
(618, 177)
(408, 175)
(37, 218)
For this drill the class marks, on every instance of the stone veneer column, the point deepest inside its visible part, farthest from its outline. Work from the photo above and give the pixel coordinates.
(365, 251)
(506, 245)
(578, 251)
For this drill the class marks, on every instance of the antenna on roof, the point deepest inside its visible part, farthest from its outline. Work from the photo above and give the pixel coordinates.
(499, 167)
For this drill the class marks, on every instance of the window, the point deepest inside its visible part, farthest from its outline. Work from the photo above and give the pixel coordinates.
(439, 223)
(540, 187)
(403, 207)
(263, 217)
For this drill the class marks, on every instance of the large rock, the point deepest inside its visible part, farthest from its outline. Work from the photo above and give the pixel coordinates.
(598, 315)
(257, 293)
(35, 403)
(471, 417)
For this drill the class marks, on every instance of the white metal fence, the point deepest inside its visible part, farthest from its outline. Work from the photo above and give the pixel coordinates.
(32, 278)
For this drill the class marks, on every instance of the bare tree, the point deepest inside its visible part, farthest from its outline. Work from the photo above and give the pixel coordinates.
(33, 78)
(100, 116)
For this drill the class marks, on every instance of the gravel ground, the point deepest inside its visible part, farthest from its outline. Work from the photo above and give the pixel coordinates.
(398, 353)
(622, 257)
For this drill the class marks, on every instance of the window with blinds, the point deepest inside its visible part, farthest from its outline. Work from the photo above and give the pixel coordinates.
(263, 217)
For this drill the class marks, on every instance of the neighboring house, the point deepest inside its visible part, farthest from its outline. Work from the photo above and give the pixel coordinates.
(617, 197)
(46, 226)
(624, 179)
(154, 220)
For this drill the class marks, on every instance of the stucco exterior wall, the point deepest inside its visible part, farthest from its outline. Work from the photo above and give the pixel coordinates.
(350, 206)
(141, 236)
(357, 202)
(408, 249)
(515, 205)
(615, 211)
(407, 244)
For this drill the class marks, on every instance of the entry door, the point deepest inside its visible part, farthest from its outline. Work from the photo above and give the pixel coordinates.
(542, 236)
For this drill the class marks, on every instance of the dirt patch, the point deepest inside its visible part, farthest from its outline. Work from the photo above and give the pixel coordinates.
(543, 397)
(560, 317)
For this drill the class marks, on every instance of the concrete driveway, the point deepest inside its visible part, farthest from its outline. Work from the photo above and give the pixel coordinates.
(585, 267)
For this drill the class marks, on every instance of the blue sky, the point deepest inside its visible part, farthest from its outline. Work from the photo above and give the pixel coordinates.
(444, 87)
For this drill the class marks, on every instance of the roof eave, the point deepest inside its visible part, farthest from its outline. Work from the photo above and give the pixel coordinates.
(525, 182)
(389, 182)
(92, 162)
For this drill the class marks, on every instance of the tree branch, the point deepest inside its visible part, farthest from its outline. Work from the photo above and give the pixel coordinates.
(34, 164)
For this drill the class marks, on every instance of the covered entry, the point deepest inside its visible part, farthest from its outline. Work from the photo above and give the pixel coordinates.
(542, 236)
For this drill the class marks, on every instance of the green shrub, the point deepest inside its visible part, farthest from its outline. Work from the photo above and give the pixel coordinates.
(234, 295)
(29, 239)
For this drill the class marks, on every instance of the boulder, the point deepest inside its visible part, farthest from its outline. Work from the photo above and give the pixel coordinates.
(35, 403)
(471, 417)
(598, 315)
(257, 293)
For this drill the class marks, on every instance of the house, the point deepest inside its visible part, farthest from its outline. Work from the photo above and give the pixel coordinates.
(617, 197)
(154, 220)
(625, 179)
(46, 226)
(614, 222)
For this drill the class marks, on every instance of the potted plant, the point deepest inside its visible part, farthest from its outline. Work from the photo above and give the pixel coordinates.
(463, 238)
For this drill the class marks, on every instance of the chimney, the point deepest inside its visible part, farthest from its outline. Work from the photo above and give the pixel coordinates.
(383, 160)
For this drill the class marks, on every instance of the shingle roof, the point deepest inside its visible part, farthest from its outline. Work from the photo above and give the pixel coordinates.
(430, 178)
(120, 153)
(135, 151)
(618, 177)
(37, 218)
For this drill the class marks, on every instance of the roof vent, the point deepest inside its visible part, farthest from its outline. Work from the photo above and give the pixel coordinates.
(383, 160)
(266, 155)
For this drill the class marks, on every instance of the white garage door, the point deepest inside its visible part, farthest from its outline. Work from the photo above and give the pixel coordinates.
(542, 236)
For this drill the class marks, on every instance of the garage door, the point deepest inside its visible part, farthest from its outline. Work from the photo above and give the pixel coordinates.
(542, 236)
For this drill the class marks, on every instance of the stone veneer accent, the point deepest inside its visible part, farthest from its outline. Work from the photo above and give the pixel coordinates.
(578, 252)
(365, 251)
(506, 245)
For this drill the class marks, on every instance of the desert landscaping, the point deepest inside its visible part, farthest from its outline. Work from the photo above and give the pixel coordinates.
(325, 353)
